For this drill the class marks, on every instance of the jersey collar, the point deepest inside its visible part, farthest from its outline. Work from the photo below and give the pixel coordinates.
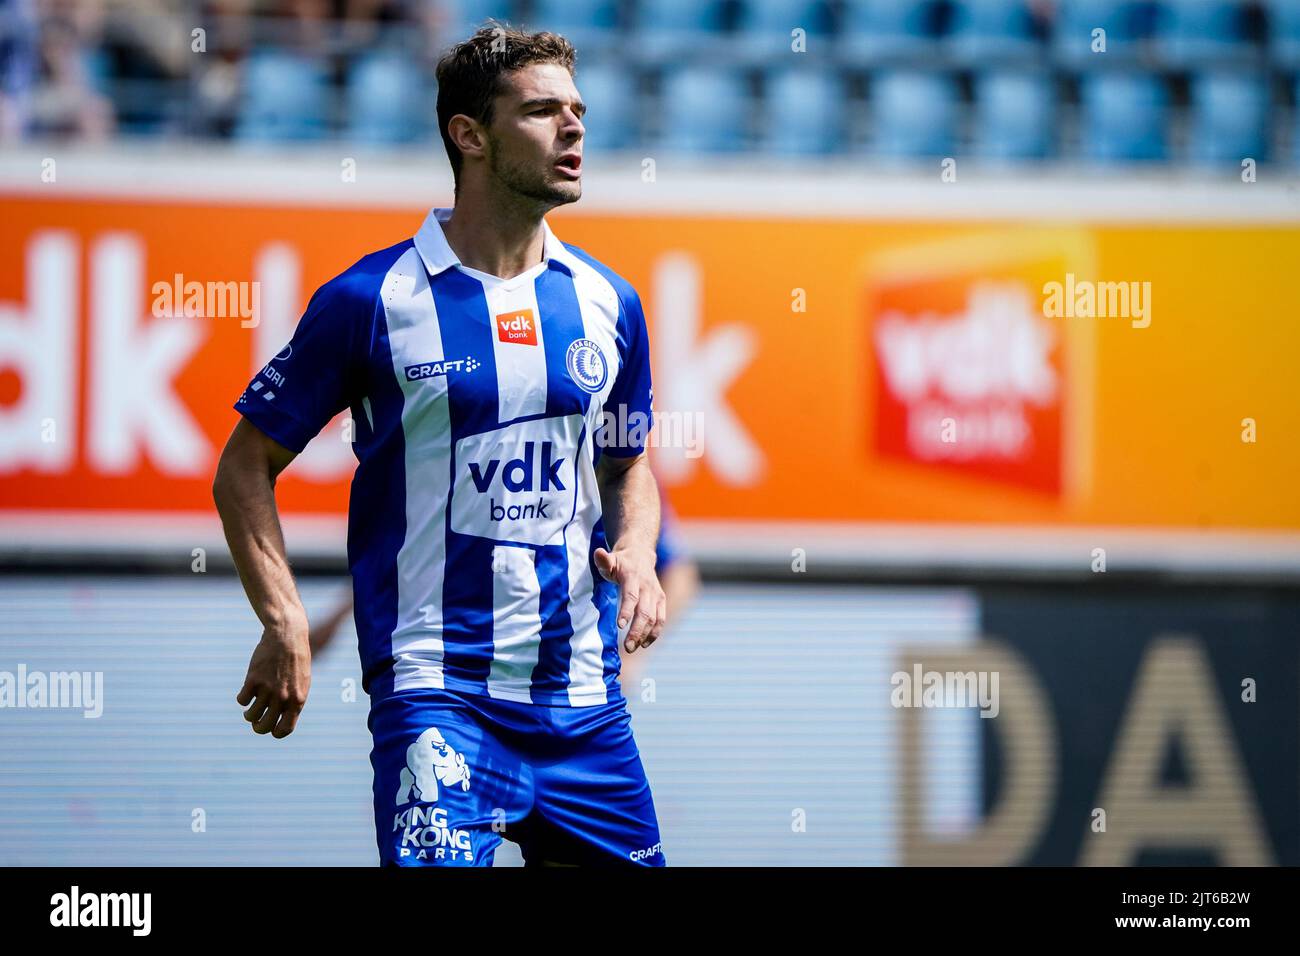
(437, 254)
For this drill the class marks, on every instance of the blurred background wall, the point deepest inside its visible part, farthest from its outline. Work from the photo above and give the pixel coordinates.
(974, 349)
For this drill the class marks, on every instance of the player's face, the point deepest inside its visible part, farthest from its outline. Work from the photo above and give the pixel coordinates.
(535, 141)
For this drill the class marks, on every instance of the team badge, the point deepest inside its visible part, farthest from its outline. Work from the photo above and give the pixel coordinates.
(586, 365)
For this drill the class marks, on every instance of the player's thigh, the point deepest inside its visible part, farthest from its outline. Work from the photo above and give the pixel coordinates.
(445, 785)
(594, 807)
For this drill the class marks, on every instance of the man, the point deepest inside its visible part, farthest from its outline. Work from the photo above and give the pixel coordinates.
(500, 534)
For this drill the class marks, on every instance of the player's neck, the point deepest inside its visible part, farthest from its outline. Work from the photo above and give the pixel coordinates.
(501, 239)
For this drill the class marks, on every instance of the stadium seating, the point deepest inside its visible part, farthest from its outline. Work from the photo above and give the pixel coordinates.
(987, 31)
(805, 111)
(1284, 33)
(1126, 24)
(1014, 115)
(388, 98)
(705, 109)
(463, 17)
(765, 27)
(1198, 32)
(591, 25)
(286, 97)
(913, 113)
(1124, 117)
(881, 31)
(1295, 124)
(610, 94)
(1229, 118)
(1177, 67)
(669, 29)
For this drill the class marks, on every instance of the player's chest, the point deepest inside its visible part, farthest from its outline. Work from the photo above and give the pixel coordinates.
(483, 355)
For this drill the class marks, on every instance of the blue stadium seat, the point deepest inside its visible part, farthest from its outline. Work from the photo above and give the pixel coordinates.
(286, 97)
(1230, 117)
(610, 93)
(765, 27)
(1295, 125)
(389, 100)
(984, 31)
(590, 25)
(667, 29)
(1124, 116)
(1284, 33)
(1014, 115)
(1197, 32)
(913, 113)
(883, 31)
(805, 111)
(1126, 22)
(464, 17)
(95, 61)
(705, 110)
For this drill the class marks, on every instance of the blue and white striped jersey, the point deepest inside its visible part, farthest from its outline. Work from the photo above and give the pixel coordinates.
(480, 407)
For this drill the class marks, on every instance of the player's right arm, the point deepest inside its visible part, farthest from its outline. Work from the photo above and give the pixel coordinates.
(279, 674)
(288, 402)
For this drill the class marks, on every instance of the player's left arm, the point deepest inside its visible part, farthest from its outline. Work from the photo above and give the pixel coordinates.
(629, 496)
(630, 504)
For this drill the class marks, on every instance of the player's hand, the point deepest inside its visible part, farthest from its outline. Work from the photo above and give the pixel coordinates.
(642, 604)
(279, 676)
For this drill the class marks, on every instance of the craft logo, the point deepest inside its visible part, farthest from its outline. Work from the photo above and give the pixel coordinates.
(645, 854)
(426, 370)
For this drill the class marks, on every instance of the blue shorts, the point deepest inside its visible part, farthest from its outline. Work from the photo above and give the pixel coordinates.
(455, 773)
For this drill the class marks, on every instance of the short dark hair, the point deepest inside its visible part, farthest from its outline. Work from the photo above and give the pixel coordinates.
(469, 73)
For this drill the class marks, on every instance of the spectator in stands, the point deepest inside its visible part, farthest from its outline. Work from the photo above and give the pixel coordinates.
(64, 103)
(18, 64)
(218, 73)
(299, 25)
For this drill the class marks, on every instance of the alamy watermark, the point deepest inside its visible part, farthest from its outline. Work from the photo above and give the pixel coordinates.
(128, 910)
(620, 428)
(1084, 299)
(210, 300)
(923, 688)
(72, 690)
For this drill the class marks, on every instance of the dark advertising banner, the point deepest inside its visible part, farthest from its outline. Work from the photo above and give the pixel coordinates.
(1131, 728)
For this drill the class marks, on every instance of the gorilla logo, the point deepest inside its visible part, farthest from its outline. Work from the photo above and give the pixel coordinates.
(430, 760)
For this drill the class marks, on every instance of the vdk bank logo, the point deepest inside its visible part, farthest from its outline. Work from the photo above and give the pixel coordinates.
(969, 376)
(519, 327)
(517, 483)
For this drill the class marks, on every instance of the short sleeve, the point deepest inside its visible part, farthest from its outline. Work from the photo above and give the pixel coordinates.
(311, 379)
(632, 389)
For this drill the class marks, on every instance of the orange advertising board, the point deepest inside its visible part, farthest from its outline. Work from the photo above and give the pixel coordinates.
(967, 372)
